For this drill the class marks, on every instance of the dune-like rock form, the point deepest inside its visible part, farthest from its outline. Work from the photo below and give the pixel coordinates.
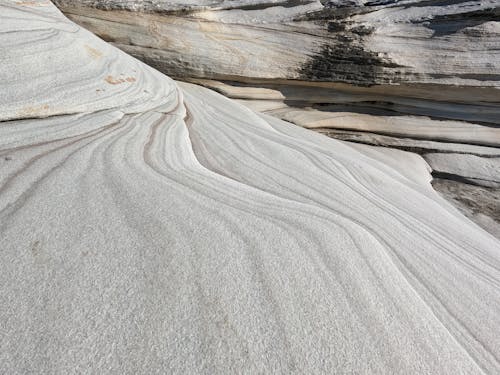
(423, 127)
(64, 69)
(149, 226)
(412, 69)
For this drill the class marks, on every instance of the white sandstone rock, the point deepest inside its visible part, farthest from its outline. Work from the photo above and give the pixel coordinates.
(176, 231)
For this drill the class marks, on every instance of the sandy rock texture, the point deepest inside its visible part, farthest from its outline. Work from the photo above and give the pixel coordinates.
(150, 226)
(420, 70)
(456, 149)
(63, 69)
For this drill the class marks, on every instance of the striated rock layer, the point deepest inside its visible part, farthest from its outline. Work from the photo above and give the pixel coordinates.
(148, 226)
(440, 51)
(415, 70)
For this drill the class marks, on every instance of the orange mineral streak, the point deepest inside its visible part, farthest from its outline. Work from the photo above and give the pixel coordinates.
(34, 111)
(116, 81)
(93, 53)
(33, 3)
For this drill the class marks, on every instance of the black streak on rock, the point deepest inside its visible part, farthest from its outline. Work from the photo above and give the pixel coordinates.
(346, 61)
(443, 25)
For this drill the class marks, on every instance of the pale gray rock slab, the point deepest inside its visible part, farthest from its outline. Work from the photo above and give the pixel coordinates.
(418, 146)
(475, 196)
(418, 127)
(241, 91)
(477, 170)
(262, 105)
(409, 164)
(197, 236)
(445, 104)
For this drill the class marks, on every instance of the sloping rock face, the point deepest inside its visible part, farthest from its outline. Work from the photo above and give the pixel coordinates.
(90, 75)
(418, 70)
(149, 226)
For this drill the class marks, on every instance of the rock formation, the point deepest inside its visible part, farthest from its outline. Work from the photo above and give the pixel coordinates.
(152, 226)
(445, 51)
(414, 69)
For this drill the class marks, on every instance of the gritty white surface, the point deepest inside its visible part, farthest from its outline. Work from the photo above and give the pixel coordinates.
(50, 66)
(200, 237)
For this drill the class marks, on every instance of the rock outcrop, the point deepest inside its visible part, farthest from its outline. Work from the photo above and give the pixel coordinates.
(446, 50)
(420, 70)
(150, 226)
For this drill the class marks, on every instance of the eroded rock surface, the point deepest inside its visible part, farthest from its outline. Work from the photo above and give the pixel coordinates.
(425, 70)
(159, 227)
(454, 149)
(444, 44)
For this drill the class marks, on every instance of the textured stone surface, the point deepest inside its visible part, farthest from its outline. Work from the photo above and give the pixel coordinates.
(64, 69)
(418, 146)
(425, 70)
(358, 44)
(365, 116)
(378, 100)
(469, 184)
(404, 126)
(176, 231)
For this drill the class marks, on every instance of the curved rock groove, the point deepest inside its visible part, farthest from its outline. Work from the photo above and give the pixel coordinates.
(138, 237)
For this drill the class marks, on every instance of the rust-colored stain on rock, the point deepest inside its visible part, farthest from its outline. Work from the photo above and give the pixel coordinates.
(93, 53)
(34, 111)
(33, 3)
(116, 81)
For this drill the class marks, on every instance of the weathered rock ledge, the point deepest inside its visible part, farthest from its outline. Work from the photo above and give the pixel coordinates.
(454, 45)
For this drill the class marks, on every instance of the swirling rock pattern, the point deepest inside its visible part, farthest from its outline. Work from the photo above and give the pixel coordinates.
(167, 229)
(413, 69)
(64, 69)
(425, 127)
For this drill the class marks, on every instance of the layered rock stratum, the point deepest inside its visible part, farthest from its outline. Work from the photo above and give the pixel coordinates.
(437, 50)
(153, 226)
